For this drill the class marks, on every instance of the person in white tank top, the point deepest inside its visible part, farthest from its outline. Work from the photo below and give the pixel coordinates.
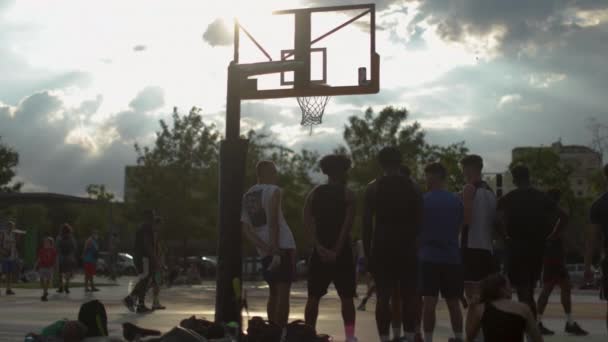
(479, 221)
(265, 226)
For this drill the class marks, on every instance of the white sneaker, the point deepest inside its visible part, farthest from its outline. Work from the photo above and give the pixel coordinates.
(352, 339)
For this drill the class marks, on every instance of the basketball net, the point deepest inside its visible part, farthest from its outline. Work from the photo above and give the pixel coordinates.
(313, 108)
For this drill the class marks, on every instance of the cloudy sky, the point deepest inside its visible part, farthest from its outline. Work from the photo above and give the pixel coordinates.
(81, 81)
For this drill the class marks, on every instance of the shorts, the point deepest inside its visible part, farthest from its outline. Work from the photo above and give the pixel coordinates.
(9, 266)
(554, 271)
(287, 270)
(341, 274)
(524, 269)
(402, 275)
(45, 273)
(90, 269)
(436, 278)
(477, 264)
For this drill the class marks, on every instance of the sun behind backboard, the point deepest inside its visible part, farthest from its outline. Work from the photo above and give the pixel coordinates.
(325, 51)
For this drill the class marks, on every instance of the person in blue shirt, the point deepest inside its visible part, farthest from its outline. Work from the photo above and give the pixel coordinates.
(90, 255)
(439, 252)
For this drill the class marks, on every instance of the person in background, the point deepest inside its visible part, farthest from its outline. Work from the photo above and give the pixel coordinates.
(556, 273)
(598, 231)
(265, 226)
(498, 317)
(90, 254)
(328, 217)
(45, 263)
(113, 245)
(66, 250)
(144, 258)
(439, 252)
(8, 254)
(159, 266)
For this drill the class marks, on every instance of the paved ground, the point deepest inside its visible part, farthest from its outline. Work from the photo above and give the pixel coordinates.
(24, 312)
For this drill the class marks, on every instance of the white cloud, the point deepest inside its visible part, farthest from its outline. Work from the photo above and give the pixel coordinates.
(445, 122)
(545, 80)
(507, 100)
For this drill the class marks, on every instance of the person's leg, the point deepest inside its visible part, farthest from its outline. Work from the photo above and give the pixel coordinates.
(66, 284)
(282, 311)
(348, 316)
(271, 306)
(371, 288)
(525, 294)
(566, 298)
(311, 312)
(543, 298)
(428, 317)
(383, 309)
(455, 316)
(396, 317)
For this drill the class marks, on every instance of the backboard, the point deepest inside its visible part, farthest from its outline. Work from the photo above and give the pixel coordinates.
(324, 51)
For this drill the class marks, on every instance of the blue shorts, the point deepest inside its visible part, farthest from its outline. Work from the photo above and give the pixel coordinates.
(9, 266)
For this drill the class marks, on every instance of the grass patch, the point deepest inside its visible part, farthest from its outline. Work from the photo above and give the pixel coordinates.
(36, 285)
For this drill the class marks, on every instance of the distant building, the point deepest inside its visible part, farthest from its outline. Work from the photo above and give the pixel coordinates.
(583, 161)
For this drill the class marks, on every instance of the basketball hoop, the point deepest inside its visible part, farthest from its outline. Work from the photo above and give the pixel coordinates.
(313, 108)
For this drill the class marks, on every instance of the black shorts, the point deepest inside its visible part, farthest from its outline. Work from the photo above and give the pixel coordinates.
(286, 271)
(445, 278)
(554, 271)
(524, 269)
(341, 274)
(477, 264)
(402, 274)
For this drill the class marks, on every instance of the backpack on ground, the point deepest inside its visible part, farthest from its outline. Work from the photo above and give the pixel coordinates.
(93, 315)
(179, 334)
(299, 331)
(324, 338)
(260, 330)
(203, 327)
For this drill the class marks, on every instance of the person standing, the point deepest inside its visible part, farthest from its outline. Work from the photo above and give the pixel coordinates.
(144, 258)
(479, 219)
(391, 218)
(8, 254)
(328, 217)
(265, 226)
(45, 263)
(66, 248)
(113, 245)
(439, 253)
(556, 273)
(529, 218)
(159, 266)
(598, 216)
(90, 254)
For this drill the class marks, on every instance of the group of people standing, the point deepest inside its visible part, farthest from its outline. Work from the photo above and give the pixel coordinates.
(418, 245)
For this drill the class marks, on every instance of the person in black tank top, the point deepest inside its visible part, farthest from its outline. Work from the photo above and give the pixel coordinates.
(328, 216)
(500, 318)
(391, 220)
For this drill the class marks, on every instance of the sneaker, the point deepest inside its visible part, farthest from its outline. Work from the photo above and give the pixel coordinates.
(158, 307)
(544, 331)
(67, 290)
(9, 292)
(352, 339)
(44, 298)
(142, 309)
(129, 303)
(94, 289)
(60, 290)
(574, 329)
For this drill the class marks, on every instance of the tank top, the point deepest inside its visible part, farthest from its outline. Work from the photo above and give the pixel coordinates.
(479, 235)
(502, 326)
(256, 213)
(329, 212)
(398, 208)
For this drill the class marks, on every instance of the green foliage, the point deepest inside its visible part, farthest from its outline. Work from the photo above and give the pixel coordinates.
(9, 159)
(99, 192)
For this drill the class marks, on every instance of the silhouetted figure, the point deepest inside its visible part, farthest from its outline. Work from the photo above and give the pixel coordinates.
(328, 217)
(392, 216)
(66, 250)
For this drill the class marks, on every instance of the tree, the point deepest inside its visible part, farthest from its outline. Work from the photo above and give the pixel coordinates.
(177, 176)
(547, 171)
(98, 192)
(599, 135)
(9, 159)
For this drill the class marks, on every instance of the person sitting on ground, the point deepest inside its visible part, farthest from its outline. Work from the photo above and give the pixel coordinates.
(265, 226)
(90, 254)
(45, 263)
(66, 250)
(8, 255)
(328, 216)
(498, 317)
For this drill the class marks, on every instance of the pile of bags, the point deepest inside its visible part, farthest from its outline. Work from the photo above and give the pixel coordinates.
(92, 325)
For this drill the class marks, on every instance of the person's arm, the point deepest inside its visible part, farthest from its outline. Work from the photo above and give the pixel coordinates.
(473, 322)
(273, 224)
(149, 247)
(85, 247)
(592, 236)
(560, 225)
(501, 226)
(347, 226)
(468, 195)
(308, 220)
(368, 219)
(532, 326)
(254, 239)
